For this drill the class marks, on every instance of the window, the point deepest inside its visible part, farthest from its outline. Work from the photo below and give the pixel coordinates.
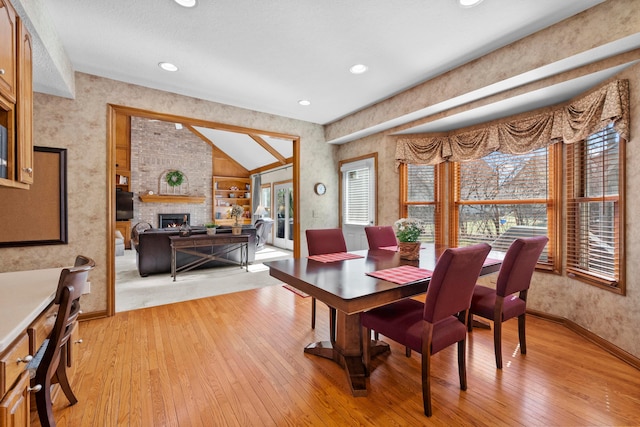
(358, 193)
(418, 198)
(594, 223)
(502, 197)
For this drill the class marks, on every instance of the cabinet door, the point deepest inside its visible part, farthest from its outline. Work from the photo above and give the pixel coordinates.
(8, 45)
(24, 113)
(14, 407)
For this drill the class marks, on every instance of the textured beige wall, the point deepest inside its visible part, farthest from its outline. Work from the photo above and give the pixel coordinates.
(80, 125)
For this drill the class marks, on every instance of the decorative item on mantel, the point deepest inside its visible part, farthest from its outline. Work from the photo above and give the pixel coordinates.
(236, 212)
(408, 232)
(174, 182)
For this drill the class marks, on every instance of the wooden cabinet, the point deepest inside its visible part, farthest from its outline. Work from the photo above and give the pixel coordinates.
(229, 191)
(16, 100)
(24, 107)
(8, 51)
(14, 384)
(125, 229)
(15, 406)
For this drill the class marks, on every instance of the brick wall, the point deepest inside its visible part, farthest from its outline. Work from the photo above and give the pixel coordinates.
(158, 147)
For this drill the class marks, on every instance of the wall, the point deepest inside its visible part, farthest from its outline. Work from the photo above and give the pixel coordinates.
(80, 125)
(157, 147)
(608, 315)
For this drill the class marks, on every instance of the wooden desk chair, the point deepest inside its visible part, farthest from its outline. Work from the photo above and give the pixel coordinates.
(380, 236)
(502, 303)
(320, 242)
(438, 322)
(50, 362)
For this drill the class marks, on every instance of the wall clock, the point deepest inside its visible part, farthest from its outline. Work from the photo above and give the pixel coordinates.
(320, 189)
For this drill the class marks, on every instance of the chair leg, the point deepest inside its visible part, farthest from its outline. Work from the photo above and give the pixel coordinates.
(426, 383)
(332, 324)
(43, 404)
(313, 313)
(376, 335)
(470, 322)
(462, 365)
(497, 342)
(521, 334)
(407, 351)
(61, 374)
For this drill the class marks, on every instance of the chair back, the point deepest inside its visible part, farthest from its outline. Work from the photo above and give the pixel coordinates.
(453, 280)
(380, 236)
(518, 265)
(325, 241)
(70, 287)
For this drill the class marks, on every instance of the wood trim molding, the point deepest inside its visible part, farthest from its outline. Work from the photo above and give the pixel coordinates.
(159, 198)
(585, 333)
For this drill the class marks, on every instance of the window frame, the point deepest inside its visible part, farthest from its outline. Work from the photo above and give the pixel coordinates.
(593, 278)
(553, 202)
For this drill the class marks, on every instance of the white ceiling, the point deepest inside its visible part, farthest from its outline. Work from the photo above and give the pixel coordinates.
(265, 55)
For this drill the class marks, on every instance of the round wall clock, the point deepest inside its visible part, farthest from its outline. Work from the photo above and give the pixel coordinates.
(320, 189)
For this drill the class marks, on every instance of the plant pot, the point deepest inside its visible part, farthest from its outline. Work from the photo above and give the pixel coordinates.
(211, 231)
(409, 250)
(236, 229)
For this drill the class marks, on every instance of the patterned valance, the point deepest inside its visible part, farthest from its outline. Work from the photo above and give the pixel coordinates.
(569, 123)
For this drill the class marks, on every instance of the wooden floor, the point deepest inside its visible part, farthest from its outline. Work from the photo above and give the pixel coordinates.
(237, 360)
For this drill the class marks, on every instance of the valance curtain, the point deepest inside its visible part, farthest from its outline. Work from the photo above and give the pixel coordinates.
(568, 123)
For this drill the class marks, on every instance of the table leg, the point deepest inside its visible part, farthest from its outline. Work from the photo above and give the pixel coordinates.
(346, 351)
(173, 263)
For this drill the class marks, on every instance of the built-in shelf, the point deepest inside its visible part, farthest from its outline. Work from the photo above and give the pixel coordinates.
(160, 198)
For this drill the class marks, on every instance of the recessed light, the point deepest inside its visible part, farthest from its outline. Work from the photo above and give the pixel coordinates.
(358, 69)
(167, 66)
(186, 3)
(469, 3)
(304, 102)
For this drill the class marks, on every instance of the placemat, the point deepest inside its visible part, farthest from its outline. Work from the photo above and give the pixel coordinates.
(402, 275)
(338, 256)
(389, 248)
(490, 261)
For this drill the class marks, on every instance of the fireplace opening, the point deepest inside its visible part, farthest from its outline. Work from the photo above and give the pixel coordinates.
(172, 220)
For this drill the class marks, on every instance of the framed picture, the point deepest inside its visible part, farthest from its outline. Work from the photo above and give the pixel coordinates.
(37, 216)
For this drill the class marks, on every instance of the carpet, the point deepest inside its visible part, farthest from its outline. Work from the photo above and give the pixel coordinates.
(295, 291)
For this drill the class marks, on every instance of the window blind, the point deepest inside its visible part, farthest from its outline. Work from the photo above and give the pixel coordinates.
(593, 208)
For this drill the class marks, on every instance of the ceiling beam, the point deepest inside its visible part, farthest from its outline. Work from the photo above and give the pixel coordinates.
(264, 144)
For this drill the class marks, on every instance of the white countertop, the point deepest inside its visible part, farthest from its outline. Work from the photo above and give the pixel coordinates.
(23, 296)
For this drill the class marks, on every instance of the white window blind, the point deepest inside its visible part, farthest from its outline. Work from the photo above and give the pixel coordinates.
(420, 200)
(358, 188)
(593, 208)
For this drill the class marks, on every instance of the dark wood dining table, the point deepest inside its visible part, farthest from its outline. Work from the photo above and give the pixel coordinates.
(345, 286)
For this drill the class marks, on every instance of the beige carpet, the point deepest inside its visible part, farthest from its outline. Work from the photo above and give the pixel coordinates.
(133, 291)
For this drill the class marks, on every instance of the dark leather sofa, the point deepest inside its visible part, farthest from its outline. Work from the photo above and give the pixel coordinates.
(153, 251)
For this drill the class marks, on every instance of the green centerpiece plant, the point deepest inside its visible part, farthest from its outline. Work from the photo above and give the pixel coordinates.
(408, 231)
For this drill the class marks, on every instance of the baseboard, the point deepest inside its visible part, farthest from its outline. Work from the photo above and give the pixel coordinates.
(93, 315)
(585, 333)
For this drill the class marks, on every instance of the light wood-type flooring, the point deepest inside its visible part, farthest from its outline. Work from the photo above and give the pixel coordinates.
(237, 360)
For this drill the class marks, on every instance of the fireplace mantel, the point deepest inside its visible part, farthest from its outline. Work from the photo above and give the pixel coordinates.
(160, 198)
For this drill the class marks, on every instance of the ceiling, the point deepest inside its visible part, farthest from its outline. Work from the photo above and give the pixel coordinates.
(268, 55)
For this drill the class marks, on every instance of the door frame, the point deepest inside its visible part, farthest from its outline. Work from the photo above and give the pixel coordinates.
(115, 110)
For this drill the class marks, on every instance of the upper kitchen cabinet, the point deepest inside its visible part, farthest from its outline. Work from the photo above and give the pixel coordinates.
(16, 100)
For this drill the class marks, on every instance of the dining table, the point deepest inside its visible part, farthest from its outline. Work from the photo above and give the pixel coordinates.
(348, 283)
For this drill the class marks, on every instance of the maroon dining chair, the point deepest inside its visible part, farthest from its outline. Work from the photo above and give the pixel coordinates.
(438, 322)
(502, 303)
(320, 242)
(380, 236)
